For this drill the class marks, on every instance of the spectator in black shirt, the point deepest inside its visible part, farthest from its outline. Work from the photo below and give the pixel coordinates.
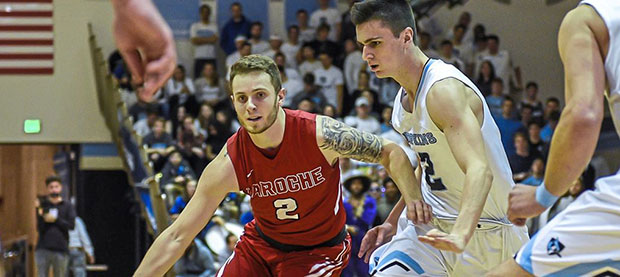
(159, 144)
(323, 45)
(521, 160)
(55, 217)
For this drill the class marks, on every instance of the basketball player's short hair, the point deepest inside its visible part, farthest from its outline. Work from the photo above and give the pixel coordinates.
(256, 63)
(395, 14)
(52, 179)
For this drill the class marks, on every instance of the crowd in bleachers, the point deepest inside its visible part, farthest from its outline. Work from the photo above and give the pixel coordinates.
(323, 72)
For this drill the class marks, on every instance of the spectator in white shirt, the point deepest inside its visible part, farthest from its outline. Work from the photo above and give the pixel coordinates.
(362, 120)
(463, 50)
(235, 56)
(291, 47)
(329, 16)
(353, 64)
(210, 87)
(330, 79)
(291, 73)
(81, 249)
(203, 35)
(306, 32)
(310, 63)
(292, 86)
(259, 46)
(447, 55)
(180, 91)
(275, 43)
(502, 63)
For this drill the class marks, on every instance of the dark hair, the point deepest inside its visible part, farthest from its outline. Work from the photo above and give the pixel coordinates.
(256, 23)
(205, 6)
(554, 116)
(508, 98)
(281, 69)
(182, 68)
(553, 99)
(531, 84)
(278, 54)
(588, 177)
(309, 79)
(396, 14)
(493, 37)
(293, 27)
(519, 134)
(459, 26)
(534, 122)
(424, 34)
(301, 11)
(323, 27)
(52, 179)
(446, 42)
(497, 80)
(491, 75)
(246, 44)
(257, 63)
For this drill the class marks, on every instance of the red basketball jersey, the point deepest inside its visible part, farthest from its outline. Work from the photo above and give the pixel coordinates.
(296, 195)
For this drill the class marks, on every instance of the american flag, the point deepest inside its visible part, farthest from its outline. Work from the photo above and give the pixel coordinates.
(26, 37)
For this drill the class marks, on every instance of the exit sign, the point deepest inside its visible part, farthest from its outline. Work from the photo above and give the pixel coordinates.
(32, 126)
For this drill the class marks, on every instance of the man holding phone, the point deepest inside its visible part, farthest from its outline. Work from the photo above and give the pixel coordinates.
(55, 217)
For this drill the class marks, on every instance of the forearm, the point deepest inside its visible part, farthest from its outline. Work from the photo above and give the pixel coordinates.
(478, 182)
(398, 166)
(572, 146)
(167, 248)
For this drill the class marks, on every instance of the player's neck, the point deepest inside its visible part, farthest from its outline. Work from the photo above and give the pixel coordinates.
(273, 136)
(411, 71)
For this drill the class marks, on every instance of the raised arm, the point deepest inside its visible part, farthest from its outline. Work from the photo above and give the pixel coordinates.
(576, 135)
(457, 115)
(216, 181)
(336, 140)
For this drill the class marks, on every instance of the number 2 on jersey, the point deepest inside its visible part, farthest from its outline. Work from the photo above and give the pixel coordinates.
(434, 183)
(284, 207)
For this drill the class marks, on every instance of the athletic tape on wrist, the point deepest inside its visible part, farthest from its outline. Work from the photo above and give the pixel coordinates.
(544, 197)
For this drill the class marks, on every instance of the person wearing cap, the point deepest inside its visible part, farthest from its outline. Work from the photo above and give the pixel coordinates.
(361, 210)
(234, 57)
(275, 42)
(362, 120)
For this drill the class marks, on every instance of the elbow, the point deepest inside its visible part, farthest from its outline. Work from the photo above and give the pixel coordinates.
(584, 116)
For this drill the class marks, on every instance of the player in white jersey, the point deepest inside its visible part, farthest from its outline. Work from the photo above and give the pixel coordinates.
(465, 175)
(584, 239)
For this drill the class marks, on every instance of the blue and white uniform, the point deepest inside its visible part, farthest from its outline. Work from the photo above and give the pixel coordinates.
(584, 239)
(495, 239)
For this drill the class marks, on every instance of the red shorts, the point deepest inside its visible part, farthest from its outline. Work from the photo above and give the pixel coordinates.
(253, 256)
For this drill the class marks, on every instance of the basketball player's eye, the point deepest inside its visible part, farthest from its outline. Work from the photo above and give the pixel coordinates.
(241, 98)
(261, 94)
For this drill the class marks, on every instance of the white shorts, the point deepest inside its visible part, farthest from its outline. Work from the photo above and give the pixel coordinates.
(404, 255)
(582, 240)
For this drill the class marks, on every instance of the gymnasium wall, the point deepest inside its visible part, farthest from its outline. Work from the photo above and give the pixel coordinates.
(67, 104)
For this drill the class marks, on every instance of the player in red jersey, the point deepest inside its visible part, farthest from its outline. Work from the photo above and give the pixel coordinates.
(287, 162)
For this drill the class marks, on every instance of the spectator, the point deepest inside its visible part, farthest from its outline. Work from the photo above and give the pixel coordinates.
(375, 191)
(80, 249)
(210, 87)
(584, 183)
(259, 46)
(547, 132)
(327, 16)
(231, 241)
(203, 35)
(181, 201)
(462, 29)
(158, 144)
(322, 44)
(306, 32)
(531, 100)
(291, 73)
(143, 126)
(311, 93)
(551, 105)
(363, 121)
(373, 102)
(446, 54)
(501, 62)
(521, 161)
(180, 91)
(353, 64)
(190, 144)
(232, 58)
(330, 79)
(275, 45)
(293, 87)
(55, 217)
(425, 45)
(245, 50)
(537, 173)
(537, 145)
(508, 126)
(197, 261)
(176, 170)
(387, 203)
(463, 49)
(386, 119)
(236, 26)
(291, 47)
(485, 78)
(525, 115)
(361, 210)
(219, 133)
(309, 63)
(172, 126)
(330, 111)
(495, 100)
(348, 28)
(205, 116)
(307, 105)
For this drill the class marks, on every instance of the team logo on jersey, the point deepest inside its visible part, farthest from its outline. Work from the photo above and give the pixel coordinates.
(420, 139)
(554, 247)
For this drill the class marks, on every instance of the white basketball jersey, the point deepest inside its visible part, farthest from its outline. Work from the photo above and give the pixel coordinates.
(609, 11)
(442, 178)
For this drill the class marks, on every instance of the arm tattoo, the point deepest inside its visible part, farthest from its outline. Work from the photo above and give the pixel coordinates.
(350, 142)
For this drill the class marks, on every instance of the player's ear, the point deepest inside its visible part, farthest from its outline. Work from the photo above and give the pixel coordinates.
(281, 95)
(407, 35)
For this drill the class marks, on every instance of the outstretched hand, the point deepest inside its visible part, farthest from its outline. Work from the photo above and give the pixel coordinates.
(145, 42)
(374, 238)
(444, 241)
